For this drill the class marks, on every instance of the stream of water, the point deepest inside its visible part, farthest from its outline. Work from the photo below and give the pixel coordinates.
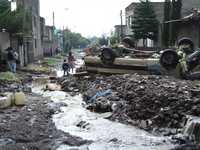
(106, 135)
(76, 120)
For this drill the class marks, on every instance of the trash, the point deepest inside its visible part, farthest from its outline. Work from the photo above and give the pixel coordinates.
(20, 99)
(53, 87)
(6, 101)
(100, 94)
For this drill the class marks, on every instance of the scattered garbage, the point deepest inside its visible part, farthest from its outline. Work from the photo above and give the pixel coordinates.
(100, 94)
(5, 100)
(10, 99)
(53, 87)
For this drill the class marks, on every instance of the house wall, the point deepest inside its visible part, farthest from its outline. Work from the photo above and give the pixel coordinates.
(4, 41)
(33, 46)
(49, 45)
(4, 44)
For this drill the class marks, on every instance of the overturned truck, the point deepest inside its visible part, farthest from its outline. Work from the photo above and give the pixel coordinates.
(182, 62)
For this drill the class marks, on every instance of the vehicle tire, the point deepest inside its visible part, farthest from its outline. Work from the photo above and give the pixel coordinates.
(169, 59)
(107, 56)
(186, 40)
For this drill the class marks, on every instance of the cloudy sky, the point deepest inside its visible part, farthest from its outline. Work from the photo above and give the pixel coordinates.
(88, 17)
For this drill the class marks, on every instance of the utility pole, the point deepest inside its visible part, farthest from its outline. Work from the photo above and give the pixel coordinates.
(63, 39)
(121, 34)
(53, 19)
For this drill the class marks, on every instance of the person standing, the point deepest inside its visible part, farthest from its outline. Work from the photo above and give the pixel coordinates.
(65, 67)
(71, 61)
(12, 57)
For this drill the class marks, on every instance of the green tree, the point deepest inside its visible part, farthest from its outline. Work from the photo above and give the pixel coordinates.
(175, 14)
(113, 38)
(74, 40)
(14, 21)
(144, 24)
(103, 40)
(165, 31)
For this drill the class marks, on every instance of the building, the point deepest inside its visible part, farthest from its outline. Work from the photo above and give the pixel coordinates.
(120, 31)
(187, 6)
(4, 43)
(29, 44)
(48, 42)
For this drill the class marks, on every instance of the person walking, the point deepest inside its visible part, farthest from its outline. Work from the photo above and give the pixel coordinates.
(71, 61)
(12, 57)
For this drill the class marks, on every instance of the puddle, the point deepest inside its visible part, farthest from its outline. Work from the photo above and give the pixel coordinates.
(6, 141)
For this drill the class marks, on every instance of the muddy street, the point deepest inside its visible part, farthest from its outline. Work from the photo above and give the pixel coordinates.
(63, 119)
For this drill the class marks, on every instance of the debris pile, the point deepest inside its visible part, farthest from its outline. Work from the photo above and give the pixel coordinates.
(145, 101)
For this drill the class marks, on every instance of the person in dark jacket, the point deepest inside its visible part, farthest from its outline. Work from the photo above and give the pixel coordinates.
(12, 57)
(65, 67)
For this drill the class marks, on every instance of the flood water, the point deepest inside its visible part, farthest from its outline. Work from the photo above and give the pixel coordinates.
(106, 135)
(76, 120)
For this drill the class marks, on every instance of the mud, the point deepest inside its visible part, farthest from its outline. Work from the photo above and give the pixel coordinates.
(144, 101)
(31, 127)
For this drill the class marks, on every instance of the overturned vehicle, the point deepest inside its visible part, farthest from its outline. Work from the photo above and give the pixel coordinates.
(182, 62)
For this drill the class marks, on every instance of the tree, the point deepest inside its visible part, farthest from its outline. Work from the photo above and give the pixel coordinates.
(165, 32)
(113, 38)
(175, 14)
(103, 40)
(145, 24)
(14, 21)
(74, 40)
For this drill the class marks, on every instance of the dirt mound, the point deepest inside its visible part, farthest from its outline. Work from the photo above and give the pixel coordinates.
(146, 101)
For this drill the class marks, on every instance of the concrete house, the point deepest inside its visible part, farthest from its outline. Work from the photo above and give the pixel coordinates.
(48, 42)
(187, 6)
(29, 44)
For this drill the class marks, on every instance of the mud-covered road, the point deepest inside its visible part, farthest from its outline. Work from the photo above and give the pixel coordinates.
(31, 127)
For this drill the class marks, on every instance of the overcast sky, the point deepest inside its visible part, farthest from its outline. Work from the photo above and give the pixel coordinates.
(88, 17)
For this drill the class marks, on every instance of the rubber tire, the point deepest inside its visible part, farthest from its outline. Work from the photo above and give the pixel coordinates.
(107, 56)
(186, 40)
(169, 59)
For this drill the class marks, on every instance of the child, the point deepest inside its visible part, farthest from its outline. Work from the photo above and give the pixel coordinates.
(71, 61)
(65, 67)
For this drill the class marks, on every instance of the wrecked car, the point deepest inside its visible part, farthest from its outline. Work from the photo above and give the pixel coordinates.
(180, 62)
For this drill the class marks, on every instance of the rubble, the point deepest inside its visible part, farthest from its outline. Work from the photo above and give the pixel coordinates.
(146, 101)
